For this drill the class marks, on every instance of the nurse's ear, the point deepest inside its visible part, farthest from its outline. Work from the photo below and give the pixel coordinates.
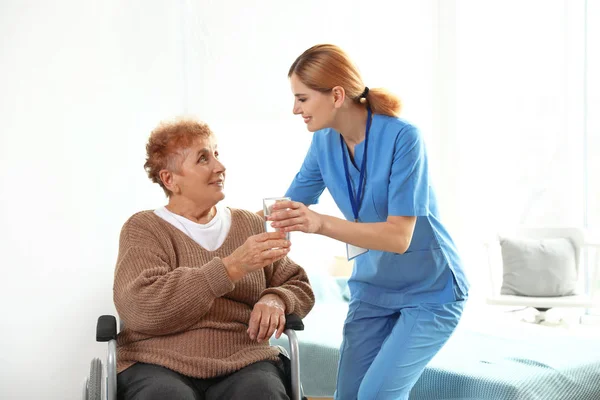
(339, 95)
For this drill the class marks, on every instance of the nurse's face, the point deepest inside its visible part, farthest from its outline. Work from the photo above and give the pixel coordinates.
(317, 108)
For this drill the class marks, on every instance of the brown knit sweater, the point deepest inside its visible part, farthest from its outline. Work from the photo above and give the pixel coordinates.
(179, 307)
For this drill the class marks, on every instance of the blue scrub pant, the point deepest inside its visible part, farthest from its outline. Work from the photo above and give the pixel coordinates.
(384, 351)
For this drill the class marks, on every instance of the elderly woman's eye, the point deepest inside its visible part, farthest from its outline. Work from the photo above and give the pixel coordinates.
(216, 154)
(202, 159)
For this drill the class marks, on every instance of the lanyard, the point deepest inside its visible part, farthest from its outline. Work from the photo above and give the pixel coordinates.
(356, 201)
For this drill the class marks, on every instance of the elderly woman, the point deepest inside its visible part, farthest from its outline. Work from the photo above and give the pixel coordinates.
(201, 287)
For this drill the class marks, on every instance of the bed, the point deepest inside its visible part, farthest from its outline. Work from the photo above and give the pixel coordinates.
(472, 365)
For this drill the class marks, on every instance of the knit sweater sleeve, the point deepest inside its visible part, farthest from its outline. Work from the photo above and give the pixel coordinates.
(155, 298)
(284, 278)
(289, 281)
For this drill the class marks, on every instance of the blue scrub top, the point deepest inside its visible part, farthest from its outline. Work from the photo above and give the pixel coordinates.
(398, 184)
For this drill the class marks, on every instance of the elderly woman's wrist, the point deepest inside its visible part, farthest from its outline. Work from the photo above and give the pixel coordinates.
(234, 272)
(273, 299)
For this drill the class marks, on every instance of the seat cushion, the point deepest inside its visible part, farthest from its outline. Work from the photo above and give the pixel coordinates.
(538, 267)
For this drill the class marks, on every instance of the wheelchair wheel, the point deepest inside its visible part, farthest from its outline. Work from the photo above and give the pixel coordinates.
(94, 389)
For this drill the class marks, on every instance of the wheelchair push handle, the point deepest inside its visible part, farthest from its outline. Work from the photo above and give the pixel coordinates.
(106, 329)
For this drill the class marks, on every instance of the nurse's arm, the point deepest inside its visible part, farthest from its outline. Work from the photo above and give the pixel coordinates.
(393, 236)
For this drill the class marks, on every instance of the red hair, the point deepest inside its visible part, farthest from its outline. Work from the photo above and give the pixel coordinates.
(324, 66)
(167, 145)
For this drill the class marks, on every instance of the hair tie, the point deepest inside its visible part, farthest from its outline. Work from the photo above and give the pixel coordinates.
(363, 96)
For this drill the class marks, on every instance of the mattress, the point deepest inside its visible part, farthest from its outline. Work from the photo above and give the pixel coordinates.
(470, 366)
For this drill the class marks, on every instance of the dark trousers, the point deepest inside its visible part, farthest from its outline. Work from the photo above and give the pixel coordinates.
(264, 380)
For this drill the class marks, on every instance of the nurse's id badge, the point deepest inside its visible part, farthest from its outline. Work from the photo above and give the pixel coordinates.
(356, 198)
(354, 251)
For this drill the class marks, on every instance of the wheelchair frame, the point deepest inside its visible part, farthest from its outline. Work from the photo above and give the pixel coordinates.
(106, 331)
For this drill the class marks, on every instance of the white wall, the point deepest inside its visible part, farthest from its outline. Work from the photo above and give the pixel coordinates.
(592, 116)
(82, 83)
(518, 144)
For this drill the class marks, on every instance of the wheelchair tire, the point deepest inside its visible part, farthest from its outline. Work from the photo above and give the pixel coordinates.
(94, 389)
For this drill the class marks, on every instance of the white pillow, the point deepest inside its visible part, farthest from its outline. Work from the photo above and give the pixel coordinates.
(538, 268)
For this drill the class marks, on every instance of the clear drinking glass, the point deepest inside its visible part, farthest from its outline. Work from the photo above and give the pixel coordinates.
(267, 205)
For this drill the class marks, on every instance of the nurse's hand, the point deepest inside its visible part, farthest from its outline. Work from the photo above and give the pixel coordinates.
(295, 216)
(267, 317)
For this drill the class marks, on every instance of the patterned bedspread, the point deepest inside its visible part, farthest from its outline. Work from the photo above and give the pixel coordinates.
(470, 366)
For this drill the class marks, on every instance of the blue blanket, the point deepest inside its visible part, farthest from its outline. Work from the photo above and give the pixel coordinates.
(478, 366)
(470, 366)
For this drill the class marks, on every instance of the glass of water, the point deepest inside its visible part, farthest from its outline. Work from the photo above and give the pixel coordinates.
(267, 205)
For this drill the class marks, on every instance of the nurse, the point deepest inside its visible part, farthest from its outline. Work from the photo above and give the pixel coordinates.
(408, 288)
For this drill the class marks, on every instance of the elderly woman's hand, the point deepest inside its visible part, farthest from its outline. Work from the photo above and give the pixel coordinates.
(295, 216)
(267, 317)
(257, 252)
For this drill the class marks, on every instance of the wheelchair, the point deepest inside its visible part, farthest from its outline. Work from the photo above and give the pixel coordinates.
(106, 331)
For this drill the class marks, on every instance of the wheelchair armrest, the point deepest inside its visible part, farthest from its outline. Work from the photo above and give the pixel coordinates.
(106, 329)
(293, 322)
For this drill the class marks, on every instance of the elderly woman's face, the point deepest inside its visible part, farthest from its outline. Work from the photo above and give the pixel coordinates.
(202, 176)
